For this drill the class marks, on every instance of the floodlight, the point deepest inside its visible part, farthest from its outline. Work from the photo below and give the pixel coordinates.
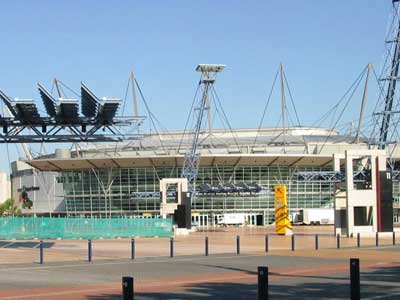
(206, 68)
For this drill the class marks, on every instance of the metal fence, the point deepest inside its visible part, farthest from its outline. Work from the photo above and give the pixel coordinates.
(86, 228)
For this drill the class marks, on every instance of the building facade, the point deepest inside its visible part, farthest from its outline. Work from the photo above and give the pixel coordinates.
(112, 181)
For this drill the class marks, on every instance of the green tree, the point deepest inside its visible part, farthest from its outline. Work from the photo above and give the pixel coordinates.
(10, 208)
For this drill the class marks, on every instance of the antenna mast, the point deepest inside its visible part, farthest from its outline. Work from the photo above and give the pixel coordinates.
(192, 157)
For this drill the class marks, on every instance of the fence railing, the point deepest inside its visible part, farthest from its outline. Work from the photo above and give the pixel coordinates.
(85, 228)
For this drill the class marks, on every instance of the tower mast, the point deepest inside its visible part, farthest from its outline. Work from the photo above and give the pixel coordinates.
(392, 78)
(192, 157)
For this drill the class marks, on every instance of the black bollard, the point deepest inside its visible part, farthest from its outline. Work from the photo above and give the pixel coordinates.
(354, 279)
(266, 243)
(394, 238)
(127, 288)
(358, 240)
(338, 241)
(237, 244)
(89, 250)
(171, 247)
(316, 242)
(293, 243)
(132, 248)
(41, 259)
(262, 283)
(206, 246)
(376, 239)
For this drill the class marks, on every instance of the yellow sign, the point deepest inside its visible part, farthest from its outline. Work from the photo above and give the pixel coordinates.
(282, 222)
(145, 214)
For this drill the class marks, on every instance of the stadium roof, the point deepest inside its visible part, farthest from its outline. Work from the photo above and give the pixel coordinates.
(56, 165)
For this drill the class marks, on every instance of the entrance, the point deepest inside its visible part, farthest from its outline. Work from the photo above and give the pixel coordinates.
(200, 220)
(254, 220)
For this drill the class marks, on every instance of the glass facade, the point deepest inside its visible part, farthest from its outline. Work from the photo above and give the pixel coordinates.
(115, 192)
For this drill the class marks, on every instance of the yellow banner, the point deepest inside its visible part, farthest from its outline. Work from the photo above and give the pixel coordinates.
(282, 222)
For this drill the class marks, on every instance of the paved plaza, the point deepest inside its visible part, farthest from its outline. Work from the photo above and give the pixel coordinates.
(305, 273)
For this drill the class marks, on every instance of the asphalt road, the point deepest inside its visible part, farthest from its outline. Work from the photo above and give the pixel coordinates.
(198, 277)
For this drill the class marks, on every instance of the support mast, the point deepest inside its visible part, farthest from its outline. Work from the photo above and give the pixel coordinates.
(363, 102)
(283, 107)
(192, 157)
(392, 79)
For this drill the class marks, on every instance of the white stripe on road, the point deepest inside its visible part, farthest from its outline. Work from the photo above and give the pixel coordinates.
(169, 260)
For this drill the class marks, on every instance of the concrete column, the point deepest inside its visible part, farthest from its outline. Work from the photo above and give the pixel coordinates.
(336, 163)
(349, 188)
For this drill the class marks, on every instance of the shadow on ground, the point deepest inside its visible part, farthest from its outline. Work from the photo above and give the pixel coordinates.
(381, 283)
(24, 244)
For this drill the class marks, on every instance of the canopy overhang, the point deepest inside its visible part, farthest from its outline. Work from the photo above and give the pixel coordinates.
(82, 163)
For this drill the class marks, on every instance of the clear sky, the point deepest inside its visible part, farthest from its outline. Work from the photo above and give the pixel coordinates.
(323, 45)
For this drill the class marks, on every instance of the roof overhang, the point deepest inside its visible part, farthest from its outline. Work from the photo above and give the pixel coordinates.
(58, 165)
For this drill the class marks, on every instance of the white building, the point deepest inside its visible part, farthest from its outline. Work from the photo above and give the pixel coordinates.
(5, 187)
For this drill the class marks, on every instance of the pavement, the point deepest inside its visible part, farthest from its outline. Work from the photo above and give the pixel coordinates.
(305, 273)
(321, 276)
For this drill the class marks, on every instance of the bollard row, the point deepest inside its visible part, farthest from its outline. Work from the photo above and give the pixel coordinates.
(206, 245)
(128, 291)
(263, 283)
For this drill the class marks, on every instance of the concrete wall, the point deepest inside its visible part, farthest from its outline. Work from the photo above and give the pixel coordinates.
(5, 187)
(48, 195)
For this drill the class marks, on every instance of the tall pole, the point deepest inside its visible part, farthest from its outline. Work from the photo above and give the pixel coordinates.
(283, 106)
(208, 107)
(192, 157)
(364, 100)
(134, 98)
(392, 78)
(57, 84)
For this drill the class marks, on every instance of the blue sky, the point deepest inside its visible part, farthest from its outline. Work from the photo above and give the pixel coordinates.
(323, 45)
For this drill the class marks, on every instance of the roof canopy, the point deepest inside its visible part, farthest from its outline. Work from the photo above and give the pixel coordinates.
(177, 161)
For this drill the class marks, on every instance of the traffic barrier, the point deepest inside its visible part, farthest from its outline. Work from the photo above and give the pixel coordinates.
(132, 249)
(293, 243)
(262, 293)
(171, 247)
(89, 250)
(41, 256)
(338, 241)
(354, 279)
(128, 292)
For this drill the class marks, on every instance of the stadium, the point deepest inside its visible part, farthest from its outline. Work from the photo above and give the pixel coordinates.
(228, 170)
(237, 173)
